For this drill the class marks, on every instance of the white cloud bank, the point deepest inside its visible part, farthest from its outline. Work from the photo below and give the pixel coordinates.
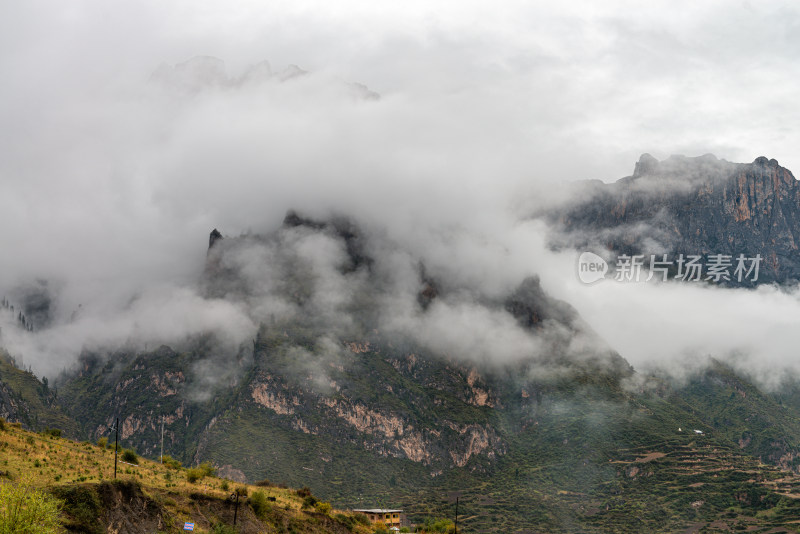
(110, 183)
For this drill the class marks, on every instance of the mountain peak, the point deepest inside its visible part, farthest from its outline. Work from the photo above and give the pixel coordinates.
(213, 237)
(764, 162)
(647, 164)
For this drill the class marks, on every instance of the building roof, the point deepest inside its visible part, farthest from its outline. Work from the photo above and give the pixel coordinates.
(378, 511)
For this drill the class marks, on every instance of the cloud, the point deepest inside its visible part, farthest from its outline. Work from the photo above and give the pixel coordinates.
(110, 181)
(674, 326)
(160, 315)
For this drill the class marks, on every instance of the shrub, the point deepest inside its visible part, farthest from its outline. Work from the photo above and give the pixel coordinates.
(52, 432)
(309, 501)
(170, 462)
(200, 472)
(207, 469)
(24, 509)
(437, 525)
(2, 424)
(305, 491)
(267, 484)
(258, 502)
(242, 491)
(129, 455)
(323, 507)
(194, 474)
(346, 520)
(222, 528)
(102, 443)
(82, 504)
(225, 486)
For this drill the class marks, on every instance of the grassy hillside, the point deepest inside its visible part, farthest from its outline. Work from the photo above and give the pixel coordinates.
(734, 407)
(148, 496)
(26, 399)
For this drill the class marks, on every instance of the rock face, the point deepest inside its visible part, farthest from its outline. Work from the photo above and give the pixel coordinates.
(340, 412)
(693, 206)
(9, 408)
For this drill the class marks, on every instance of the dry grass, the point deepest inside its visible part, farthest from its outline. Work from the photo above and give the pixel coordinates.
(49, 461)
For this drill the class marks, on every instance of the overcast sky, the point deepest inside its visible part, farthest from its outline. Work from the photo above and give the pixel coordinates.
(111, 182)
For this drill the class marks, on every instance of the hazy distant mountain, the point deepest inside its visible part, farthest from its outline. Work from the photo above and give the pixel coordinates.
(203, 73)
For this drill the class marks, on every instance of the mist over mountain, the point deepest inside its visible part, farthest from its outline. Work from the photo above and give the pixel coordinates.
(338, 270)
(447, 178)
(340, 247)
(363, 354)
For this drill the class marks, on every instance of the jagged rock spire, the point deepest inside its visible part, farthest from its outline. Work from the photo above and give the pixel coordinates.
(214, 237)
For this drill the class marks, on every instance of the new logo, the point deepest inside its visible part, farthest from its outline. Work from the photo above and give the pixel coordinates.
(591, 267)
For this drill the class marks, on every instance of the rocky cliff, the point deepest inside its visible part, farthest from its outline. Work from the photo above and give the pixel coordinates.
(692, 206)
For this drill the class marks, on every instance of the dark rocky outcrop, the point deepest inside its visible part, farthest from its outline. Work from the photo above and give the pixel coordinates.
(531, 306)
(344, 228)
(213, 237)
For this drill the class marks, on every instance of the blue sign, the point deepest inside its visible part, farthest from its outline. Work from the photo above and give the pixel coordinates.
(188, 526)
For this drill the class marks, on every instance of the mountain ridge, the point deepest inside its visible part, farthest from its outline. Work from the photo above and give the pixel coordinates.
(348, 387)
(691, 206)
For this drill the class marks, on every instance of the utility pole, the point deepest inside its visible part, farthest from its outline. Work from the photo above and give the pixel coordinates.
(116, 446)
(162, 439)
(235, 498)
(456, 525)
